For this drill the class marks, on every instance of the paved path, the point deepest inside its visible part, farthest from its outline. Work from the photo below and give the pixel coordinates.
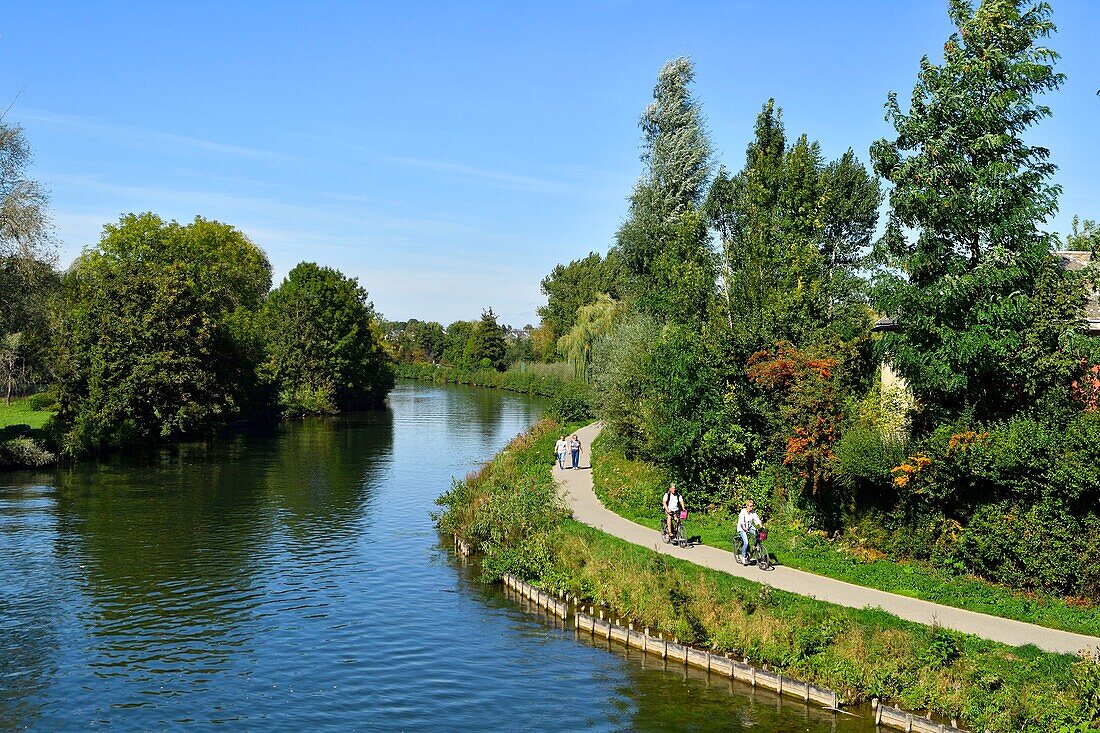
(576, 487)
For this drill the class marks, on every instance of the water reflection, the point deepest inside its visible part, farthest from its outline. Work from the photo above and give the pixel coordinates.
(293, 578)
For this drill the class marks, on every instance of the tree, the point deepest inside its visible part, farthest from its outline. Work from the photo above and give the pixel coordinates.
(850, 198)
(324, 343)
(1084, 236)
(27, 276)
(973, 287)
(486, 346)
(744, 210)
(454, 344)
(568, 287)
(593, 322)
(654, 240)
(792, 231)
(24, 222)
(158, 336)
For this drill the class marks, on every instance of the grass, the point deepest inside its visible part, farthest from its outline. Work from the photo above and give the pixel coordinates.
(543, 382)
(509, 511)
(633, 489)
(19, 412)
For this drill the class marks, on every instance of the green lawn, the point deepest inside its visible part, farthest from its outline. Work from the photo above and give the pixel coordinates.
(633, 489)
(20, 413)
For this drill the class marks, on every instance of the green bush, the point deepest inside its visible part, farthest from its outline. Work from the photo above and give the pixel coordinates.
(864, 459)
(572, 403)
(1034, 547)
(308, 400)
(22, 452)
(43, 401)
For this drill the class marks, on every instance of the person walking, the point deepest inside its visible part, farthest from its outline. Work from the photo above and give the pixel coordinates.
(559, 450)
(575, 451)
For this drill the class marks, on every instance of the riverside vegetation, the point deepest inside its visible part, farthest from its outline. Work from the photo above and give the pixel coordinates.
(510, 513)
(163, 331)
(729, 334)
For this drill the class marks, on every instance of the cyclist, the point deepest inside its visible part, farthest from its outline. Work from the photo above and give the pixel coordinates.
(673, 503)
(748, 521)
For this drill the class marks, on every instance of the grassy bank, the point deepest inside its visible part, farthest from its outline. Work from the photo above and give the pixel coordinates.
(509, 511)
(23, 435)
(20, 412)
(569, 398)
(528, 382)
(633, 489)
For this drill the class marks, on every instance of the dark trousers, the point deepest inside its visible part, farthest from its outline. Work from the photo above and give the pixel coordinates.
(576, 457)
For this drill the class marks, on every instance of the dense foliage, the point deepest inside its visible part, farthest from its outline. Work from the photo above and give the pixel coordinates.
(510, 512)
(989, 316)
(324, 346)
(158, 336)
(739, 355)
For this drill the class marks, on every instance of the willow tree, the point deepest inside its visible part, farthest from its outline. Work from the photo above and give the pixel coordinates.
(987, 317)
(591, 323)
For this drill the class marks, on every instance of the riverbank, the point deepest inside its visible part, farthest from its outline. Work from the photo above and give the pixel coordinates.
(627, 487)
(510, 512)
(24, 434)
(569, 398)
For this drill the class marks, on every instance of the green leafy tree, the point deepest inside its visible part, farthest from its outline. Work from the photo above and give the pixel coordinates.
(1084, 236)
(454, 344)
(28, 280)
(850, 198)
(792, 230)
(568, 287)
(593, 322)
(158, 336)
(661, 237)
(325, 343)
(973, 286)
(486, 346)
(743, 209)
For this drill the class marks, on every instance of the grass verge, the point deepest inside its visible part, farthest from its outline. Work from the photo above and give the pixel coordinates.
(510, 512)
(20, 412)
(633, 489)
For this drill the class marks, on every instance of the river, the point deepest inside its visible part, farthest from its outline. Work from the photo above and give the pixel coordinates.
(292, 579)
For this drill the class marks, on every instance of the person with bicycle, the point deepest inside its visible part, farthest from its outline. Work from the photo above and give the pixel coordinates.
(748, 521)
(673, 503)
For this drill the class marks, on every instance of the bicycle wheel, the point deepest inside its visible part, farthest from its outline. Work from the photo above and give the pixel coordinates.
(664, 533)
(763, 561)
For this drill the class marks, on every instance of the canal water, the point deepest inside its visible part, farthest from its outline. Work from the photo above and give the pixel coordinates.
(292, 579)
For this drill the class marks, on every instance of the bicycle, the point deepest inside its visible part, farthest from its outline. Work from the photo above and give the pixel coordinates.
(758, 554)
(677, 536)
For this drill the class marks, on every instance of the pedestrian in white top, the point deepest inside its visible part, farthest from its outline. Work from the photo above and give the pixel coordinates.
(747, 522)
(559, 450)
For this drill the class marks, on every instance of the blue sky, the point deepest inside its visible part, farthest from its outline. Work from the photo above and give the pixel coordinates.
(449, 154)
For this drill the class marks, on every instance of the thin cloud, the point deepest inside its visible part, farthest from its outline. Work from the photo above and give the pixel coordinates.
(512, 180)
(131, 133)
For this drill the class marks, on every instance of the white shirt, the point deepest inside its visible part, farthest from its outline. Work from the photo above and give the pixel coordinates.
(746, 519)
(675, 501)
(559, 447)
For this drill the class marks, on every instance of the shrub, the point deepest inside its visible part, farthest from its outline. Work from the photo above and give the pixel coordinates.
(865, 457)
(24, 452)
(1036, 547)
(308, 400)
(43, 401)
(572, 403)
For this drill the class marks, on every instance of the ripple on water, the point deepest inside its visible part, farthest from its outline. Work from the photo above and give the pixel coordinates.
(292, 579)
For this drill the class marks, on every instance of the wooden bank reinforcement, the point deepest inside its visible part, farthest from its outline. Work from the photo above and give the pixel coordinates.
(607, 628)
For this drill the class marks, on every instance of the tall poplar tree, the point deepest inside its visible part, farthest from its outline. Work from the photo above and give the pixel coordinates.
(661, 243)
(987, 317)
